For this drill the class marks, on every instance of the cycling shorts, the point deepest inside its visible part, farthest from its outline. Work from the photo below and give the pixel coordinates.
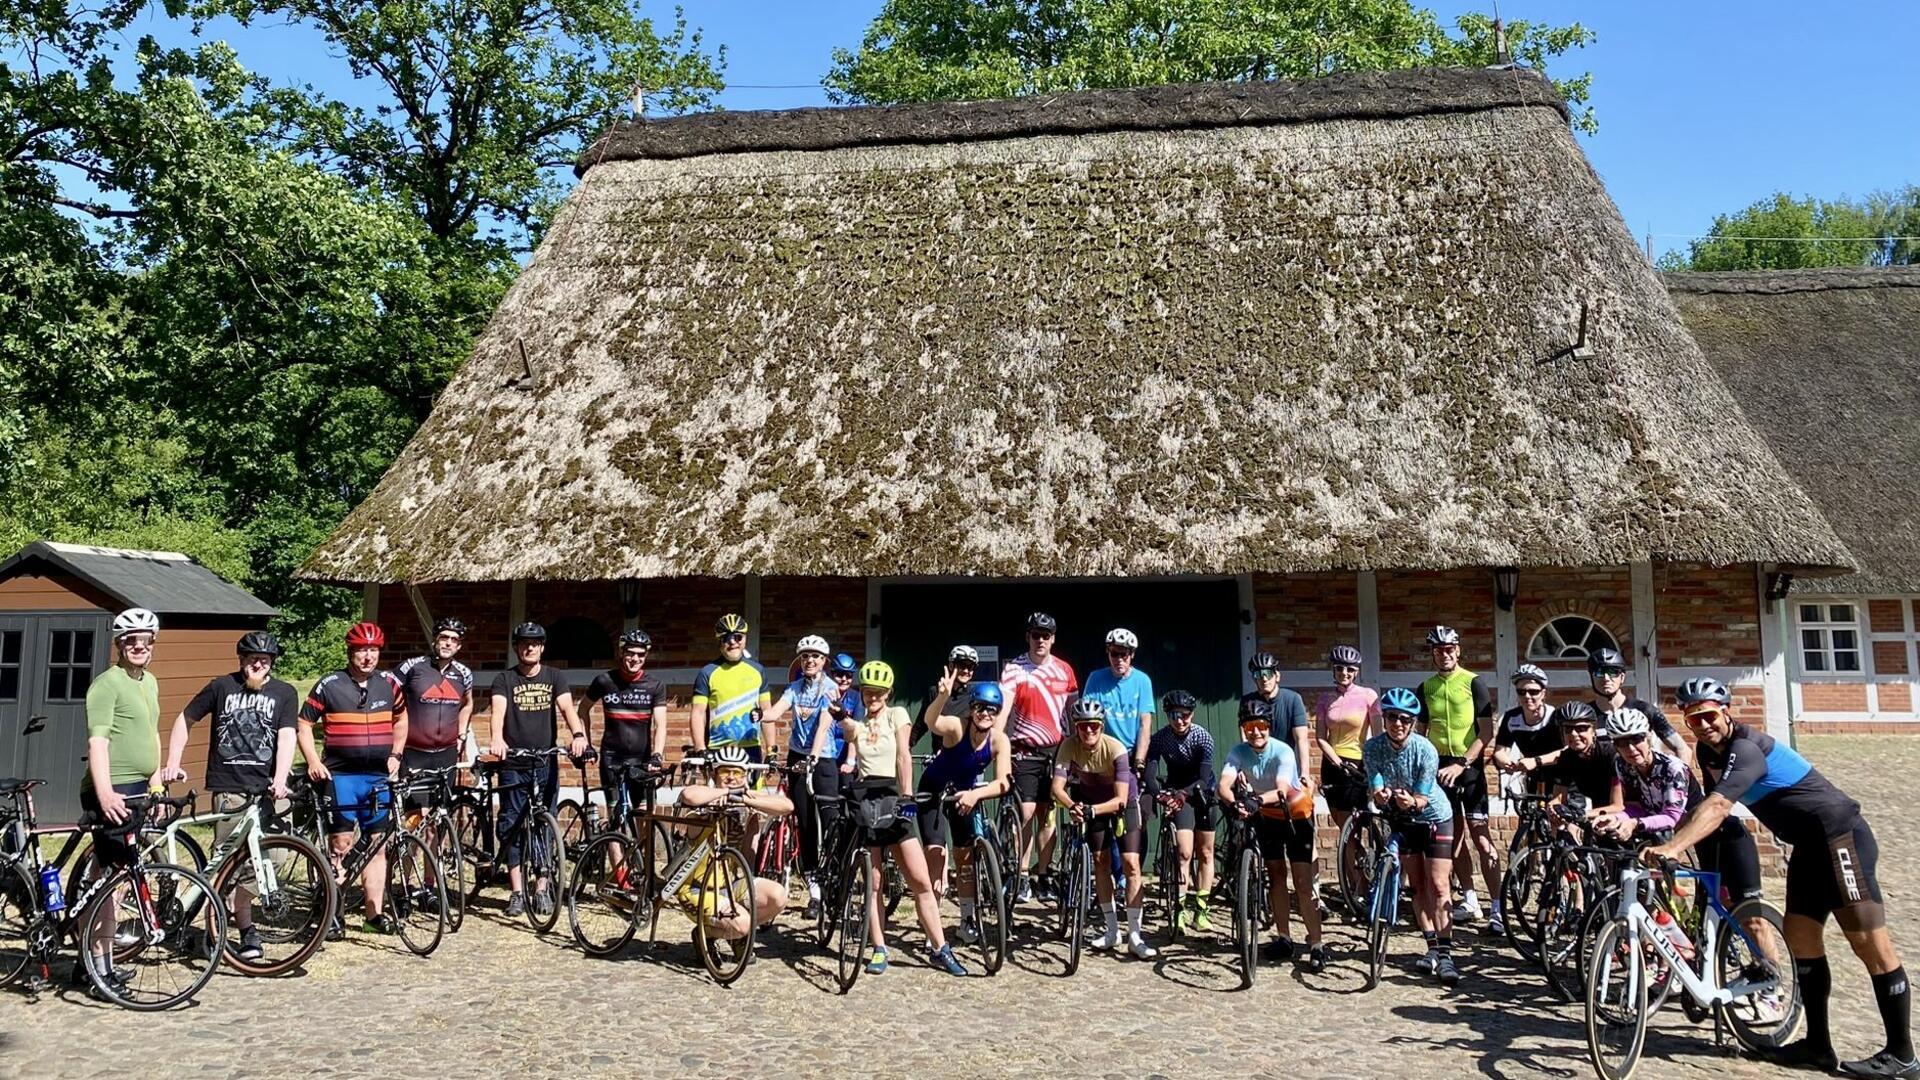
(364, 797)
(1033, 775)
(1126, 824)
(902, 827)
(1284, 839)
(1426, 839)
(941, 824)
(114, 843)
(1345, 789)
(428, 759)
(1468, 793)
(1199, 813)
(1837, 878)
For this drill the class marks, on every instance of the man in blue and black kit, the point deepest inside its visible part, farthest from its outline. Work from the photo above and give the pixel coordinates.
(1831, 872)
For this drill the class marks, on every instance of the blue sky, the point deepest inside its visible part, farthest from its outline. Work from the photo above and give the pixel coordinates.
(1704, 105)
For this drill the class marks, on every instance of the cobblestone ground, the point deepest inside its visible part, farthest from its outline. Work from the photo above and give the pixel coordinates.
(496, 999)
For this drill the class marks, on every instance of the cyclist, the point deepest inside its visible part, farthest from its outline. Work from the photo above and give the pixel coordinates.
(358, 711)
(878, 745)
(1459, 721)
(1126, 693)
(966, 748)
(529, 701)
(436, 693)
(1038, 686)
(633, 725)
(728, 767)
(1188, 794)
(1528, 730)
(249, 748)
(1403, 778)
(123, 758)
(1272, 777)
(1607, 670)
(1093, 781)
(730, 694)
(962, 662)
(844, 672)
(1831, 872)
(1584, 764)
(1345, 717)
(814, 743)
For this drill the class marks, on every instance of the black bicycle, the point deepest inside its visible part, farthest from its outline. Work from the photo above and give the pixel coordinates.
(416, 885)
(543, 854)
(615, 878)
(1251, 912)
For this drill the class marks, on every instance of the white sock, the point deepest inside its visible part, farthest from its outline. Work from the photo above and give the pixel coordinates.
(813, 889)
(1113, 920)
(1133, 921)
(1470, 899)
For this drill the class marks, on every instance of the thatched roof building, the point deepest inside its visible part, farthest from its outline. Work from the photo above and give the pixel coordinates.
(1826, 365)
(1192, 329)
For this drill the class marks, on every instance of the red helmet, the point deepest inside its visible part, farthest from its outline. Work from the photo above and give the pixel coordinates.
(364, 634)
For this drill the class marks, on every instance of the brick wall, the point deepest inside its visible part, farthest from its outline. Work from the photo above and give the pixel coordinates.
(1298, 617)
(1708, 615)
(1603, 594)
(1833, 697)
(482, 605)
(1885, 617)
(1410, 603)
(792, 607)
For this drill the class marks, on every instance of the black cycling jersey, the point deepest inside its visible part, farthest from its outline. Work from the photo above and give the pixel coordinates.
(1657, 720)
(1782, 788)
(1512, 730)
(1188, 760)
(1592, 776)
(628, 708)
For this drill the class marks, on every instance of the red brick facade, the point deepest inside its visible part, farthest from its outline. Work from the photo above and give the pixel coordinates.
(1299, 617)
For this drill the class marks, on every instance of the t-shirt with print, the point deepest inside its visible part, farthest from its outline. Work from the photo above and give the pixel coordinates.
(1094, 773)
(246, 729)
(1039, 692)
(1266, 769)
(877, 743)
(1125, 700)
(531, 718)
(433, 700)
(355, 719)
(627, 709)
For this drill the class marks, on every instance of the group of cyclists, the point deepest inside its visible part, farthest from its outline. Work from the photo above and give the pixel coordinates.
(1103, 754)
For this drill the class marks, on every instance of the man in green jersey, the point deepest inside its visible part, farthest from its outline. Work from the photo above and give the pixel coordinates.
(1459, 722)
(123, 755)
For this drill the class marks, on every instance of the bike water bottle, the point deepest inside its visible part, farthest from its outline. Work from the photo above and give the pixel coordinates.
(56, 897)
(1675, 936)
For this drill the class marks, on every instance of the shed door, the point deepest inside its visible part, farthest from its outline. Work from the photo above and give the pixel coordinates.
(59, 655)
(15, 689)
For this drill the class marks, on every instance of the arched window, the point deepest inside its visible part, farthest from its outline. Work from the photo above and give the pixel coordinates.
(1569, 637)
(576, 641)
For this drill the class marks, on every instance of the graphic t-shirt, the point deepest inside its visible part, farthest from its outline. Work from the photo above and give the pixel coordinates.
(246, 729)
(531, 718)
(1532, 740)
(1346, 716)
(1094, 773)
(1266, 770)
(126, 712)
(355, 720)
(628, 709)
(433, 700)
(731, 692)
(1039, 692)
(1125, 700)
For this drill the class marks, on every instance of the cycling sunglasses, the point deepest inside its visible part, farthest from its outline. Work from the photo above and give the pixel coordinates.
(730, 774)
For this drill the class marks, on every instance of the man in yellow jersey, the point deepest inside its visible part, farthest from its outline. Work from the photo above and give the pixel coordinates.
(1459, 722)
(730, 695)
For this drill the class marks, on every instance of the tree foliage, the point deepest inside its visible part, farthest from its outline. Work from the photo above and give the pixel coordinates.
(1781, 232)
(927, 50)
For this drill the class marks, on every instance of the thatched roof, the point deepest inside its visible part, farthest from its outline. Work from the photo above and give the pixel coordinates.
(1826, 365)
(1207, 329)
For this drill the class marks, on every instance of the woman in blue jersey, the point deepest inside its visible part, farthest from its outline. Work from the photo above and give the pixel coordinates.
(1402, 780)
(965, 749)
(813, 737)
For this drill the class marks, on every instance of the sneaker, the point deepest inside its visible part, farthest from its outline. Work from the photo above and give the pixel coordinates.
(1464, 912)
(1318, 958)
(944, 959)
(119, 978)
(1200, 919)
(1043, 887)
(1806, 1054)
(1443, 967)
(877, 963)
(1496, 926)
(969, 930)
(1424, 965)
(1141, 950)
(250, 944)
(1881, 1064)
(1107, 940)
(380, 924)
(543, 903)
(1026, 890)
(336, 930)
(1279, 950)
(516, 905)
(427, 900)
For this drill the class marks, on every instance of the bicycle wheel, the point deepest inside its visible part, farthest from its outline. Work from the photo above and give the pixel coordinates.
(1557, 937)
(453, 860)
(1075, 888)
(856, 895)
(164, 946)
(1757, 956)
(989, 905)
(1006, 824)
(1167, 867)
(1616, 999)
(1365, 835)
(543, 859)
(86, 866)
(1520, 894)
(19, 911)
(728, 888)
(603, 895)
(416, 894)
(1381, 915)
(775, 851)
(289, 903)
(572, 821)
(895, 886)
(1246, 915)
(471, 826)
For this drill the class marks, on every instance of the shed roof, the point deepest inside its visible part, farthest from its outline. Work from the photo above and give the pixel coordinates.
(1826, 366)
(1189, 329)
(164, 582)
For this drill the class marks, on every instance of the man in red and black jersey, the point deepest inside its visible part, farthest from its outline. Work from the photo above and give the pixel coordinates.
(436, 693)
(358, 711)
(633, 708)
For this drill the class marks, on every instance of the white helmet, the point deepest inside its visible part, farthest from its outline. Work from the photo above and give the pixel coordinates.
(135, 620)
(1123, 637)
(814, 643)
(964, 652)
(1626, 723)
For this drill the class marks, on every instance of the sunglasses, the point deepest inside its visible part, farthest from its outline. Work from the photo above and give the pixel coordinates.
(1609, 673)
(1089, 725)
(1392, 717)
(1039, 635)
(1180, 714)
(1581, 728)
(730, 775)
(1629, 740)
(981, 707)
(843, 676)
(732, 639)
(1704, 716)
(1119, 654)
(1346, 667)
(1266, 673)
(1535, 692)
(1255, 725)
(134, 646)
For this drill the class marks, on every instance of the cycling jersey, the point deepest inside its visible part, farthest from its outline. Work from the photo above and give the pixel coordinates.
(1532, 740)
(1189, 760)
(355, 720)
(432, 700)
(1346, 716)
(126, 712)
(1414, 767)
(1657, 720)
(628, 711)
(1658, 799)
(1266, 770)
(731, 692)
(810, 703)
(1125, 700)
(1039, 692)
(1592, 775)
(1455, 702)
(958, 766)
(1094, 773)
(1782, 788)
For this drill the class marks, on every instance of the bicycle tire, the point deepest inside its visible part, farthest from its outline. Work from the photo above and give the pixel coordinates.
(297, 910)
(1366, 834)
(86, 865)
(989, 906)
(416, 894)
(775, 852)
(19, 912)
(1616, 1003)
(603, 911)
(193, 937)
(1735, 955)
(1557, 936)
(1013, 861)
(453, 861)
(472, 826)
(729, 875)
(1382, 913)
(894, 883)
(1246, 915)
(1520, 892)
(852, 923)
(574, 833)
(543, 855)
(1169, 871)
(1079, 876)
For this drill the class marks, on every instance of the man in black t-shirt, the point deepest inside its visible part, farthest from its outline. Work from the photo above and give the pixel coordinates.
(633, 708)
(249, 749)
(529, 699)
(1529, 729)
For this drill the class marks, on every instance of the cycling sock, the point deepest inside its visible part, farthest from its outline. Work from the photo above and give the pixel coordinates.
(1816, 986)
(1445, 944)
(1133, 922)
(966, 909)
(1113, 920)
(1890, 992)
(1431, 938)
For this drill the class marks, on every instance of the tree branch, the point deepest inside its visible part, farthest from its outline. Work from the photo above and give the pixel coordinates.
(104, 213)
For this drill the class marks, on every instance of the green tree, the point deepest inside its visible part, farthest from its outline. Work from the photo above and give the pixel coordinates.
(927, 50)
(1781, 232)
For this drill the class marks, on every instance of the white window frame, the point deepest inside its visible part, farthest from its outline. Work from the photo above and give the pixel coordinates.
(1592, 625)
(1825, 650)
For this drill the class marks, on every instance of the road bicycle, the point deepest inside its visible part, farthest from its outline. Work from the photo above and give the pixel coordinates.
(622, 863)
(1576, 899)
(1362, 838)
(1172, 872)
(1740, 971)
(416, 885)
(159, 950)
(983, 865)
(1073, 888)
(1530, 854)
(543, 854)
(434, 797)
(1383, 902)
(1251, 912)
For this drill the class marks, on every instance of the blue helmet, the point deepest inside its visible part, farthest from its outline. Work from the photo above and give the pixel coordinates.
(1401, 699)
(989, 694)
(844, 664)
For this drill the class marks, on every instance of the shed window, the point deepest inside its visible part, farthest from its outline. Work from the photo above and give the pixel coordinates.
(9, 665)
(1570, 637)
(1829, 638)
(69, 664)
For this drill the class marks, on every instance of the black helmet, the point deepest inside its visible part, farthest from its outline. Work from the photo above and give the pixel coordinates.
(1605, 658)
(636, 639)
(1263, 661)
(1043, 622)
(1179, 701)
(529, 631)
(450, 626)
(1256, 708)
(257, 641)
(1577, 712)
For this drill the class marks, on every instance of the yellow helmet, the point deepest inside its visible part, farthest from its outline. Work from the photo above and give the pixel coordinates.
(729, 624)
(877, 674)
